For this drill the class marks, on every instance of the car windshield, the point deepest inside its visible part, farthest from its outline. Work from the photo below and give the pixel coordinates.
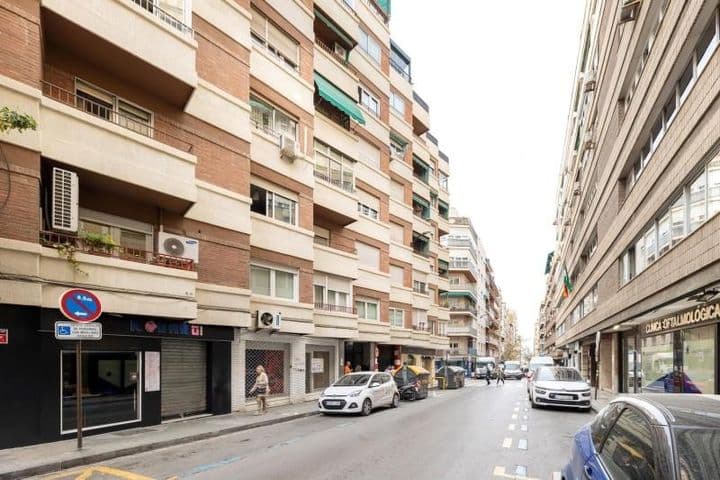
(352, 381)
(557, 374)
(512, 365)
(697, 452)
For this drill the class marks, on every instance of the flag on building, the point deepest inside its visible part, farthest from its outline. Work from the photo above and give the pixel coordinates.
(567, 284)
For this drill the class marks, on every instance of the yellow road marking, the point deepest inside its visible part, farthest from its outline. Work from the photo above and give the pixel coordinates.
(86, 473)
(507, 443)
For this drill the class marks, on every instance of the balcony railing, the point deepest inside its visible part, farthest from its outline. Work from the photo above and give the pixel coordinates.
(330, 51)
(109, 114)
(328, 307)
(421, 102)
(165, 17)
(471, 287)
(345, 185)
(420, 289)
(464, 265)
(463, 308)
(72, 243)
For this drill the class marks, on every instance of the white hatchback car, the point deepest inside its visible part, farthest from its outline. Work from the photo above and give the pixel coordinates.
(360, 392)
(560, 387)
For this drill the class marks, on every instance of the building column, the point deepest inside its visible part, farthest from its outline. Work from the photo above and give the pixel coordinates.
(296, 389)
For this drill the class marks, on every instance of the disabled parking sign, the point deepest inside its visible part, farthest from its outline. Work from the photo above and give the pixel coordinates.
(80, 305)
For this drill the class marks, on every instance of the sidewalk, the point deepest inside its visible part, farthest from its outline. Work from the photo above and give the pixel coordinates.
(50, 457)
(603, 398)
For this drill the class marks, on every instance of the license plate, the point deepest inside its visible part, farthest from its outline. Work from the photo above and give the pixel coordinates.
(564, 397)
(333, 402)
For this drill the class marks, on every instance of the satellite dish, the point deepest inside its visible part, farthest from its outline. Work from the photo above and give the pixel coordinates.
(174, 246)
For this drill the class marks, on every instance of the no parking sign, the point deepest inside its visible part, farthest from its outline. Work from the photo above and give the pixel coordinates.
(80, 305)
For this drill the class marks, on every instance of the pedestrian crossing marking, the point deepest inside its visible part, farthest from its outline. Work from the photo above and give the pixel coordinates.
(500, 472)
(514, 416)
(522, 444)
(557, 476)
(523, 428)
(511, 426)
(507, 443)
(516, 409)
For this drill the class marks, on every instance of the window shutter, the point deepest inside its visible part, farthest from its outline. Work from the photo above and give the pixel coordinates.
(369, 200)
(258, 23)
(397, 274)
(368, 255)
(284, 44)
(65, 200)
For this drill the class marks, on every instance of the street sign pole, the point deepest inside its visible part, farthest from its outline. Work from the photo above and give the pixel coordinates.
(78, 392)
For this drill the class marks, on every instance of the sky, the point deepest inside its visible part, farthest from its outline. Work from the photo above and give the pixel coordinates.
(498, 78)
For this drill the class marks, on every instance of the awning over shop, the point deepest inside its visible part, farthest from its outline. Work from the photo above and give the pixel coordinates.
(338, 98)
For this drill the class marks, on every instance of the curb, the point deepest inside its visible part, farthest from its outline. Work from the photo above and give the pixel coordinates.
(101, 457)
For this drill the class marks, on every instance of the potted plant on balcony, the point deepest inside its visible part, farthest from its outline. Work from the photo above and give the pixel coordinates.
(98, 243)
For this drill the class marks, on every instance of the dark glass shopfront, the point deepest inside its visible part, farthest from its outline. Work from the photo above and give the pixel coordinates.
(659, 357)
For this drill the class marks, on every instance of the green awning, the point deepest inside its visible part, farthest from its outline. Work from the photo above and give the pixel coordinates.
(394, 136)
(385, 5)
(350, 43)
(338, 98)
(421, 201)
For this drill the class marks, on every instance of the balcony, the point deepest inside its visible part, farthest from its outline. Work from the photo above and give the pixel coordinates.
(466, 267)
(144, 41)
(69, 244)
(461, 331)
(467, 290)
(463, 309)
(97, 139)
(334, 67)
(421, 115)
(335, 200)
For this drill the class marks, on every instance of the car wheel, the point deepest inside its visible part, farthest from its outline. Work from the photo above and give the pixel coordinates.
(532, 402)
(366, 408)
(395, 401)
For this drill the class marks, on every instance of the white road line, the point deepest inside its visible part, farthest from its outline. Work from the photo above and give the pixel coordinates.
(514, 416)
(516, 409)
(511, 426)
(522, 444)
(557, 476)
(523, 428)
(507, 443)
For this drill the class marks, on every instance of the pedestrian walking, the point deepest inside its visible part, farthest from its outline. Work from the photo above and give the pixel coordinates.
(358, 368)
(348, 368)
(488, 370)
(261, 389)
(500, 375)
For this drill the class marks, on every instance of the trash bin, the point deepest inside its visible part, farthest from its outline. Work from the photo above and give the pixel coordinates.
(455, 376)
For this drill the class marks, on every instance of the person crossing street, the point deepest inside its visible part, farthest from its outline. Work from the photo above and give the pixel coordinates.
(500, 375)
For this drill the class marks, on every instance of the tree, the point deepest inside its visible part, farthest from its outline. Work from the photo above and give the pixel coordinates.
(12, 120)
(512, 348)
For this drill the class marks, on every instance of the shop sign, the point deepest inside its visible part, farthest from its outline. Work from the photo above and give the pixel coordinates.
(161, 327)
(4, 336)
(683, 319)
(318, 365)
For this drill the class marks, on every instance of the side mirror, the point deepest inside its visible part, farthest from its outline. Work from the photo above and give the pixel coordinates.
(374, 384)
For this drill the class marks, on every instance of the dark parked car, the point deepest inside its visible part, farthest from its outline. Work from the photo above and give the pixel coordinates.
(651, 436)
(455, 376)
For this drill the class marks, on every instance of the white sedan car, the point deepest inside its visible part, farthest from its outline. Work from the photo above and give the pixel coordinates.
(560, 387)
(360, 392)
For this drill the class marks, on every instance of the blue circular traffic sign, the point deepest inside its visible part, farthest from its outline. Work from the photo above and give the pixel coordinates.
(80, 305)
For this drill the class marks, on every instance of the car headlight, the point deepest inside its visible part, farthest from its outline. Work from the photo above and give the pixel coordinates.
(355, 393)
(586, 393)
(540, 391)
(323, 393)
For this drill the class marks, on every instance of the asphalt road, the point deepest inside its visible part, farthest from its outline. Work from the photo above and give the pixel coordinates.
(479, 432)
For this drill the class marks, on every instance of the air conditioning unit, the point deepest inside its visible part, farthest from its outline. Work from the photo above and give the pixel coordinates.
(268, 320)
(629, 11)
(340, 51)
(178, 246)
(65, 186)
(288, 147)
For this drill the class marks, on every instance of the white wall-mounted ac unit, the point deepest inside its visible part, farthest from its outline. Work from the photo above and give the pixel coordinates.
(288, 147)
(269, 320)
(65, 187)
(178, 246)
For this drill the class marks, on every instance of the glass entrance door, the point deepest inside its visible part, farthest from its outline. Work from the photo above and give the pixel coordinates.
(632, 366)
(698, 350)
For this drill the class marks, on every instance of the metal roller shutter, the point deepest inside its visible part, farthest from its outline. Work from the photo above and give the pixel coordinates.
(183, 380)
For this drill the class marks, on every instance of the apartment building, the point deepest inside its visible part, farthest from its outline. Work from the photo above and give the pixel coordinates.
(239, 183)
(473, 297)
(639, 191)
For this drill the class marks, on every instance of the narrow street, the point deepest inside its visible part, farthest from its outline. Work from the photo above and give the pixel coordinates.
(477, 432)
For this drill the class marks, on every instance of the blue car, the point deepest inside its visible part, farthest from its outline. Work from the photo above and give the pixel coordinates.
(653, 436)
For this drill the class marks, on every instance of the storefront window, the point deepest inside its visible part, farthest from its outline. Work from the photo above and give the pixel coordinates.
(633, 369)
(699, 360)
(274, 363)
(110, 392)
(657, 363)
(318, 375)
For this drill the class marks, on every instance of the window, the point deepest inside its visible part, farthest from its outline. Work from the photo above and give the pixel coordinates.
(367, 309)
(368, 205)
(697, 449)
(397, 103)
(269, 119)
(628, 452)
(369, 101)
(274, 40)
(677, 220)
(368, 256)
(370, 46)
(103, 104)
(369, 153)
(334, 167)
(708, 42)
(397, 317)
(273, 205)
(331, 292)
(397, 275)
(650, 245)
(697, 202)
(134, 238)
(322, 236)
(397, 233)
(713, 187)
(664, 233)
(443, 181)
(397, 149)
(397, 191)
(419, 319)
(421, 169)
(367, 211)
(273, 283)
(420, 287)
